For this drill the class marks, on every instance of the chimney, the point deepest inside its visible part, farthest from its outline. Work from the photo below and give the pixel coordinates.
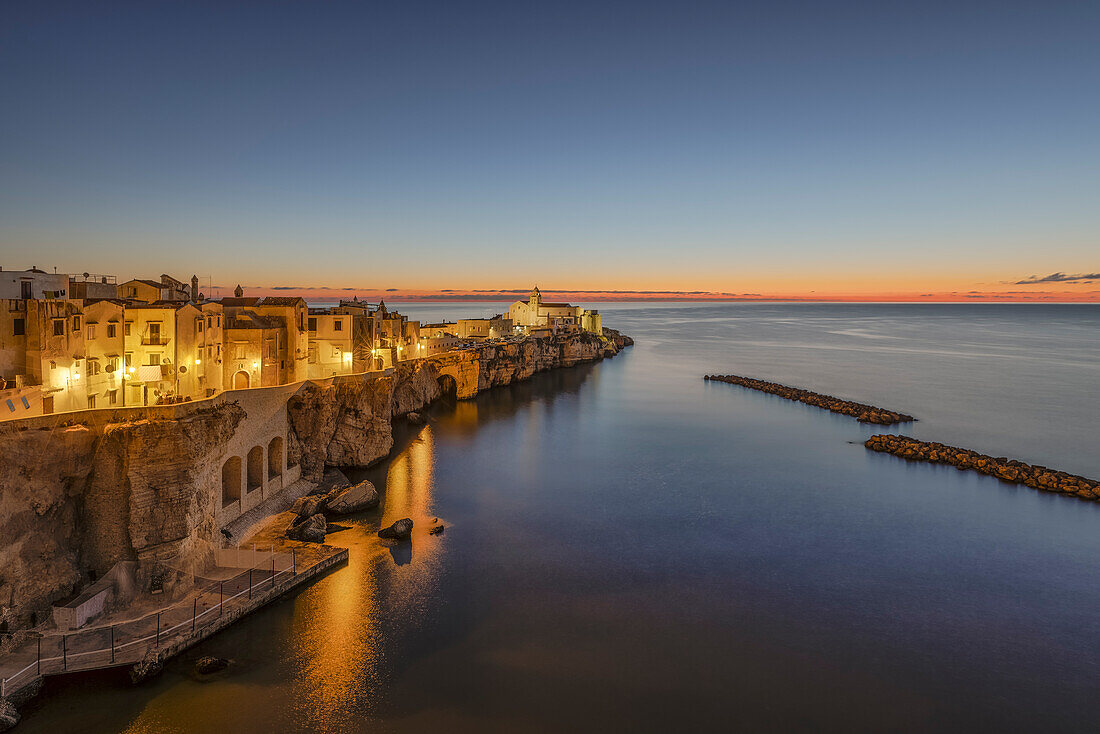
(194, 288)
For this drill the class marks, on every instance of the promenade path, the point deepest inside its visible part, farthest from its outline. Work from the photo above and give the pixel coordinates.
(246, 580)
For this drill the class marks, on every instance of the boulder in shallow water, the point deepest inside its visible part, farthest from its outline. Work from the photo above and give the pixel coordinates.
(311, 530)
(400, 530)
(149, 666)
(362, 496)
(208, 664)
(307, 506)
(9, 715)
(417, 419)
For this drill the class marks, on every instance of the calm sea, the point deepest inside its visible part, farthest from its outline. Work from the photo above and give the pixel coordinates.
(632, 549)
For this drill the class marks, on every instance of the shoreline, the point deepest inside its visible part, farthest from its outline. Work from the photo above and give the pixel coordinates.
(325, 429)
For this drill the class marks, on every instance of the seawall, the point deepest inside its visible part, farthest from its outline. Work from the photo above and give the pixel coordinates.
(81, 491)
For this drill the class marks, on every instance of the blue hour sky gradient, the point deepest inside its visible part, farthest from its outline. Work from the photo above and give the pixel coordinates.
(859, 149)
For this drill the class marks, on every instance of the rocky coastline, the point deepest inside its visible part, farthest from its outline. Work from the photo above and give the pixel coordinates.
(1008, 470)
(860, 411)
(81, 494)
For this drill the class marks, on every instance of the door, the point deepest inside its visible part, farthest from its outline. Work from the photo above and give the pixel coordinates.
(240, 380)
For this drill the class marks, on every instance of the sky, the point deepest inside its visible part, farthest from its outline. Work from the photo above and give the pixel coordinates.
(849, 150)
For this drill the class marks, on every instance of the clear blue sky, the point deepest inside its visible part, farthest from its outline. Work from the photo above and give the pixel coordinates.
(725, 146)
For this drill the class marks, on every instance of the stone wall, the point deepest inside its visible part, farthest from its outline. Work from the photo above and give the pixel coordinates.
(79, 493)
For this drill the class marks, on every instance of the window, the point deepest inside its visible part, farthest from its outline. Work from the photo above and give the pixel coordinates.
(240, 350)
(312, 324)
(19, 327)
(91, 401)
(59, 327)
(199, 324)
(154, 332)
(338, 325)
(129, 359)
(93, 367)
(112, 397)
(111, 331)
(112, 364)
(126, 328)
(90, 334)
(76, 323)
(154, 359)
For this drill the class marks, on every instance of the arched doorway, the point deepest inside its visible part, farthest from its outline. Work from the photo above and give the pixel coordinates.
(275, 458)
(448, 388)
(231, 480)
(241, 380)
(255, 468)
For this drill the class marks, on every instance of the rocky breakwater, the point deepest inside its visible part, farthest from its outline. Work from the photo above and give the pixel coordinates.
(1009, 470)
(860, 411)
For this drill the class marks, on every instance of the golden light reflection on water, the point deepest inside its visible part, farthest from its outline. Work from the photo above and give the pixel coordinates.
(337, 636)
(315, 663)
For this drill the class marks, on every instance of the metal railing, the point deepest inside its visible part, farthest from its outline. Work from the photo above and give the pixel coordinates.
(126, 643)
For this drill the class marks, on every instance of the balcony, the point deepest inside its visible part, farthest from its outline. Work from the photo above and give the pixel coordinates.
(154, 340)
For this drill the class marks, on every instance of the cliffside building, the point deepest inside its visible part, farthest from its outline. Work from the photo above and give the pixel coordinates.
(536, 313)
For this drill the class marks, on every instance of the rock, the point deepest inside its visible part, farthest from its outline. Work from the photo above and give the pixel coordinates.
(148, 667)
(417, 419)
(9, 715)
(208, 664)
(308, 506)
(311, 530)
(400, 530)
(362, 496)
(435, 529)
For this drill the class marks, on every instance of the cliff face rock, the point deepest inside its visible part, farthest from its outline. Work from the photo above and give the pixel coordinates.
(77, 499)
(42, 475)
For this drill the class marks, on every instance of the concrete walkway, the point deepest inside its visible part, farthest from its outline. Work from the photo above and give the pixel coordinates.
(209, 608)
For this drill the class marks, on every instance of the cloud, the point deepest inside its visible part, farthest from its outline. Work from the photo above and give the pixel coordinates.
(1058, 278)
(286, 288)
(391, 290)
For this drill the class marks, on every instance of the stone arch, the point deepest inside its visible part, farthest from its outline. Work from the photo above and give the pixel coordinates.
(231, 480)
(255, 468)
(275, 458)
(448, 388)
(241, 380)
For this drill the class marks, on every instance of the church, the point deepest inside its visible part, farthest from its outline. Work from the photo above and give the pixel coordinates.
(536, 313)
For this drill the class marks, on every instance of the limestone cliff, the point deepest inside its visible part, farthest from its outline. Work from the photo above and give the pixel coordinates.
(76, 499)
